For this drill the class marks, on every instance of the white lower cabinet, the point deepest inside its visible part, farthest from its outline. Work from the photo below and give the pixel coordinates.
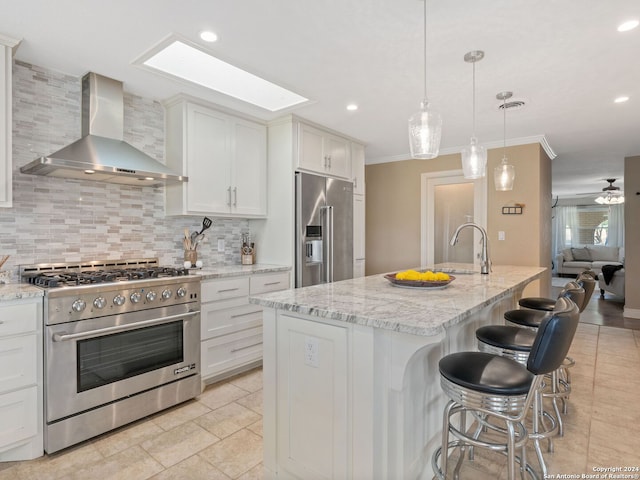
(231, 327)
(21, 409)
(313, 362)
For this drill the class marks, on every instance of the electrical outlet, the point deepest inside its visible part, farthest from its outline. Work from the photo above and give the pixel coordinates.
(311, 347)
(221, 245)
(501, 235)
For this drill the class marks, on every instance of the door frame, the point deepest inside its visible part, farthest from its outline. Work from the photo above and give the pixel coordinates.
(428, 182)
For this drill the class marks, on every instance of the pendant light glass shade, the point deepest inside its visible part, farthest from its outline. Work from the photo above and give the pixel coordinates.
(474, 160)
(504, 174)
(425, 131)
(474, 157)
(425, 126)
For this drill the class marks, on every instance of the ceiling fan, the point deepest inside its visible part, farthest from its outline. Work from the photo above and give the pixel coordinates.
(610, 195)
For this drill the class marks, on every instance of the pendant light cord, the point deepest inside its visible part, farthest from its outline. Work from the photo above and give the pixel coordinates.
(425, 55)
(504, 130)
(474, 99)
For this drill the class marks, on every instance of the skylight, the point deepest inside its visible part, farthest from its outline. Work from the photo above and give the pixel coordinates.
(194, 65)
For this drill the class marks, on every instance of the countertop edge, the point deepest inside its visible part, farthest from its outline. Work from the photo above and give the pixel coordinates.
(239, 270)
(18, 291)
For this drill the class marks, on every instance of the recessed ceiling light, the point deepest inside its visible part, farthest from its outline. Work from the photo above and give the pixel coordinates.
(195, 65)
(208, 36)
(621, 99)
(352, 107)
(89, 172)
(629, 25)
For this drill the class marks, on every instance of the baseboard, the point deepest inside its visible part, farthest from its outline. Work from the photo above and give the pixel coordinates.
(631, 313)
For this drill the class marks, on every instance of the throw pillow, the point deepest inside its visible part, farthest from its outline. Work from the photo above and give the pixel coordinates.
(566, 254)
(581, 254)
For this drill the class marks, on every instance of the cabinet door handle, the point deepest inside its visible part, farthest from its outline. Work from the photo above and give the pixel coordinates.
(355, 182)
(228, 290)
(229, 196)
(244, 348)
(235, 196)
(271, 283)
(246, 314)
(329, 158)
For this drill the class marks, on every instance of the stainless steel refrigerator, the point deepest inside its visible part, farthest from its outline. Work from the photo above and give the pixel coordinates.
(324, 230)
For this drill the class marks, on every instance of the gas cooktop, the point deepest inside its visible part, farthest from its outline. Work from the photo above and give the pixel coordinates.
(53, 275)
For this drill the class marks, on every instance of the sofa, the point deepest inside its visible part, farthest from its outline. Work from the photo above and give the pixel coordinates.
(572, 261)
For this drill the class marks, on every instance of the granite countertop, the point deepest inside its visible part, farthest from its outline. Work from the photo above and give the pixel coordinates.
(373, 301)
(238, 270)
(16, 291)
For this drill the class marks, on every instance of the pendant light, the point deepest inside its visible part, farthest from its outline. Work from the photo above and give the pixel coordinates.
(474, 156)
(504, 174)
(425, 126)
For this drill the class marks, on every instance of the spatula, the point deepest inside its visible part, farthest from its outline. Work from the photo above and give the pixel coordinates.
(206, 223)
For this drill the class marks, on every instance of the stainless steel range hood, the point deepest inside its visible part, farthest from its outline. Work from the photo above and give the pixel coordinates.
(101, 154)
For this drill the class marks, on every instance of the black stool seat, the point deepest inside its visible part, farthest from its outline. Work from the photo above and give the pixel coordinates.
(538, 303)
(526, 318)
(503, 336)
(487, 373)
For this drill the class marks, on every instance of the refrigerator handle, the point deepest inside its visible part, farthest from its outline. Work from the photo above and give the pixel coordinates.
(327, 235)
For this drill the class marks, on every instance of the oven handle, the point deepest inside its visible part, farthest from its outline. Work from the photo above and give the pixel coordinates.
(61, 337)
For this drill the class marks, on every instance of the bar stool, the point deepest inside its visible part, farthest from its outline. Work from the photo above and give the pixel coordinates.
(585, 279)
(580, 291)
(492, 387)
(515, 343)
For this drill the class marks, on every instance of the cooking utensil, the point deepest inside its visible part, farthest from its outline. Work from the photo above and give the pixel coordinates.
(206, 223)
(187, 239)
(3, 260)
(198, 239)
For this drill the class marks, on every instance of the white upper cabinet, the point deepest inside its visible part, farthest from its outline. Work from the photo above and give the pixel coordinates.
(225, 158)
(323, 152)
(357, 168)
(7, 47)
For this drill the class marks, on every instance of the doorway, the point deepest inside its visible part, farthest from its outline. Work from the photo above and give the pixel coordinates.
(448, 200)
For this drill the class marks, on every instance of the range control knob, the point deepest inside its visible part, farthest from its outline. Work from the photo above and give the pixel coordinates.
(119, 300)
(166, 294)
(79, 305)
(135, 297)
(151, 296)
(99, 302)
(182, 292)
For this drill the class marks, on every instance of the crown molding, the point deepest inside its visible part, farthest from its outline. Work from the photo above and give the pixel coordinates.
(541, 139)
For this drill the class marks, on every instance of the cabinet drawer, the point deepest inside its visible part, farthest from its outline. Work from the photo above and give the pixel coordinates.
(230, 351)
(213, 290)
(18, 361)
(228, 316)
(19, 318)
(270, 282)
(18, 416)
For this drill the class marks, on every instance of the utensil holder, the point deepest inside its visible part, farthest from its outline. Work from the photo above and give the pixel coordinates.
(5, 276)
(248, 258)
(191, 256)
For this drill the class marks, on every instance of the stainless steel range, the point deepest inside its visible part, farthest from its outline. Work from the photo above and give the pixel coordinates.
(122, 341)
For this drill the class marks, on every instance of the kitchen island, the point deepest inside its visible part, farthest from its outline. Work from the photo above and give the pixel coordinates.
(351, 381)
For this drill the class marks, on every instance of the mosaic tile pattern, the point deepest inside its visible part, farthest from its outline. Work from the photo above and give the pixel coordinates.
(61, 220)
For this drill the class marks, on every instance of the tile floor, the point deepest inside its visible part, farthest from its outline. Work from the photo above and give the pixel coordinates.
(218, 435)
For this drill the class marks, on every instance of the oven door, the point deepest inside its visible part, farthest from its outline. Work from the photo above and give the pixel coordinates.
(98, 361)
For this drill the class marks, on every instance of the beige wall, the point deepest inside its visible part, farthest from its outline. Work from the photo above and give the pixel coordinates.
(393, 211)
(632, 236)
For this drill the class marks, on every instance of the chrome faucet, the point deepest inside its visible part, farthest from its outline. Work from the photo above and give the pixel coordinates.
(485, 263)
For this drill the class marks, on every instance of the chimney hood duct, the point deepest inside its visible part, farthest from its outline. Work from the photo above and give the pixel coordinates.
(101, 154)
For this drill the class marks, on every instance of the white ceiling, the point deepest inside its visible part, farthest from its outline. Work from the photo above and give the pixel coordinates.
(563, 57)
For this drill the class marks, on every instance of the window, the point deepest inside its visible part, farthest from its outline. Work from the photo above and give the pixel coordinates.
(592, 225)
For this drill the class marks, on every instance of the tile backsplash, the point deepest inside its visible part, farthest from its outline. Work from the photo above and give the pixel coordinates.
(62, 220)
